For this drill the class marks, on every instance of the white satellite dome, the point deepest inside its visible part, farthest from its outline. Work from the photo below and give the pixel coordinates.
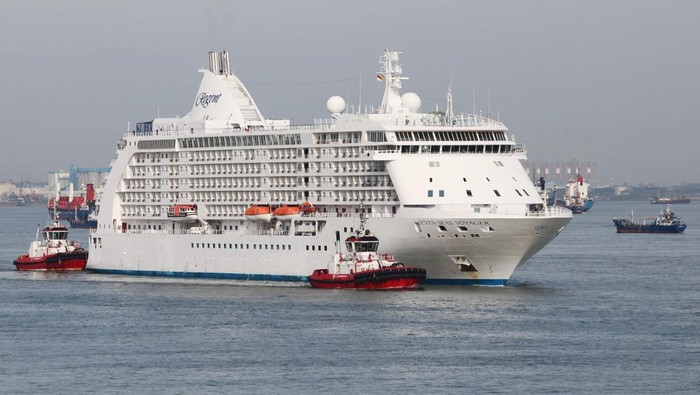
(335, 105)
(411, 101)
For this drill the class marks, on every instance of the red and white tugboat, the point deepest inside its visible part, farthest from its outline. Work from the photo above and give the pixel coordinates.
(54, 253)
(363, 267)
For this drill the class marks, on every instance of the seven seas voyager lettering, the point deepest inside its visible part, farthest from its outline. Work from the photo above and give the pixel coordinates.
(475, 223)
(205, 99)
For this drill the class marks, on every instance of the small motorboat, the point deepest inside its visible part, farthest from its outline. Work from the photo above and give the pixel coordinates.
(363, 267)
(54, 253)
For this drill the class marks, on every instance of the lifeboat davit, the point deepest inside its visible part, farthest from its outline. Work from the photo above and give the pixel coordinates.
(286, 212)
(259, 213)
(182, 212)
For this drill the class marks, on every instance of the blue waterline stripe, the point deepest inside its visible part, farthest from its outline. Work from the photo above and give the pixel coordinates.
(274, 277)
(446, 281)
(227, 276)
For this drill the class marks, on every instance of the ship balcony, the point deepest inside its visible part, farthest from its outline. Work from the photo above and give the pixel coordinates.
(550, 211)
(384, 155)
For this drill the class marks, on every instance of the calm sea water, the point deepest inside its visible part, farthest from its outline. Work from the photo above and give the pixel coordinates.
(593, 312)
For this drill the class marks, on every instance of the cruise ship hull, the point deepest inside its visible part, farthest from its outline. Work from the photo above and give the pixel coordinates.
(445, 192)
(486, 254)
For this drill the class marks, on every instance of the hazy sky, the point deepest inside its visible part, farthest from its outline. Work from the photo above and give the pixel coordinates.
(612, 82)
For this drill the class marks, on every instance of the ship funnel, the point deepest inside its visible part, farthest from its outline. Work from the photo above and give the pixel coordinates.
(214, 62)
(225, 65)
(219, 63)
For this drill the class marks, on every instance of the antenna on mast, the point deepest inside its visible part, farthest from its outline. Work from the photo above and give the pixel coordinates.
(489, 105)
(359, 100)
(474, 101)
(449, 113)
(361, 230)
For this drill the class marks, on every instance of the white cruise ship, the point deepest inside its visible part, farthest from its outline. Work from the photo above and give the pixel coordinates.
(197, 196)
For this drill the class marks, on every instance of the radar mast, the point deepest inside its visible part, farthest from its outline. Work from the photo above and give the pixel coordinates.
(391, 75)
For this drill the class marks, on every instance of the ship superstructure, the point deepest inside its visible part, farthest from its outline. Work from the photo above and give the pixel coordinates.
(446, 192)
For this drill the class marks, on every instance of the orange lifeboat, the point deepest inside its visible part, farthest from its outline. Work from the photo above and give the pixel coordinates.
(286, 212)
(259, 212)
(307, 208)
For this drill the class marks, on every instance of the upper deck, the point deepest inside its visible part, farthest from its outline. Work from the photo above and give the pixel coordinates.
(224, 155)
(387, 122)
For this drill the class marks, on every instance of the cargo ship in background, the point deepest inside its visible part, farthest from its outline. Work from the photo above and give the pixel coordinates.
(665, 222)
(447, 191)
(70, 207)
(671, 200)
(83, 223)
(21, 198)
(10, 200)
(576, 196)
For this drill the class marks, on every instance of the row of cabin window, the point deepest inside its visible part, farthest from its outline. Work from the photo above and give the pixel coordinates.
(150, 227)
(236, 246)
(313, 248)
(451, 136)
(240, 141)
(456, 149)
(441, 193)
